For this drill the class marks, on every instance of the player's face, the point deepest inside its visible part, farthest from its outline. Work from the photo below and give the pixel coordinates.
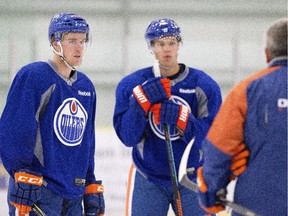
(166, 51)
(74, 45)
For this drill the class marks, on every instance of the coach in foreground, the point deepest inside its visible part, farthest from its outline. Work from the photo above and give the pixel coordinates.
(252, 119)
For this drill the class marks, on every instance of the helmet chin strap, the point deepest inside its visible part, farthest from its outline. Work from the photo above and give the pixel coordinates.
(60, 54)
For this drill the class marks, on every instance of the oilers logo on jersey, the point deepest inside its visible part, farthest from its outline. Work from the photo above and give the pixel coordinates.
(70, 121)
(158, 128)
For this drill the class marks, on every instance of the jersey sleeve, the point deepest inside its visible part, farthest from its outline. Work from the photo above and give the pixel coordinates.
(90, 177)
(128, 123)
(204, 109)
(18, 125)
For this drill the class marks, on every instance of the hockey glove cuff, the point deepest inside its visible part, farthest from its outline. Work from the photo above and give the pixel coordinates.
(239, 161)
(26, 190)
(207, 199)
(141, 98)
(94, 203)
(153, 91)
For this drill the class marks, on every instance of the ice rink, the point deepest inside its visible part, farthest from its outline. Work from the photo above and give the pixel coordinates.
(222, 38)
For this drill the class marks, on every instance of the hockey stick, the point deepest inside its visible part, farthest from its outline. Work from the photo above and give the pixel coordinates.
(186, 182)
(172, 169)
(182, 175)
(37, 210)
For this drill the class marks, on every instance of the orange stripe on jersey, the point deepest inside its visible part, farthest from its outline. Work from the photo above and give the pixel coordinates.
(130, 185)
(226, 131)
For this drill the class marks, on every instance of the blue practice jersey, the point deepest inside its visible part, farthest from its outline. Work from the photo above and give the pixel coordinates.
(193, 88)
(48, 126)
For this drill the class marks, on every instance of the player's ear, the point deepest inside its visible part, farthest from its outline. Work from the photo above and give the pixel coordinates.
(56, 46)
(267, 55)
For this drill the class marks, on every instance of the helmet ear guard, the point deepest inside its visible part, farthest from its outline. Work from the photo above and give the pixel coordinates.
(162, 28)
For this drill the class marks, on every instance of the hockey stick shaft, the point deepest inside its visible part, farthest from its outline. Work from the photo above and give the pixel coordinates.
(236, 207)
(172, 169)
(173, 173)
(37, 210)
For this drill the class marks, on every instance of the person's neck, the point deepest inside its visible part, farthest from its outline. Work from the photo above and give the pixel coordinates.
(62, 68)
(180, 71)
(171, 71)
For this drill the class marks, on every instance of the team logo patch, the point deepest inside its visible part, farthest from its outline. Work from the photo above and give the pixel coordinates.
(158, 129)
(70, 122)
(282, 103)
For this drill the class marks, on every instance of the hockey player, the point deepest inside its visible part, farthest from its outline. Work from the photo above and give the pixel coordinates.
(47, 137)
(254, 116)
(185, 98)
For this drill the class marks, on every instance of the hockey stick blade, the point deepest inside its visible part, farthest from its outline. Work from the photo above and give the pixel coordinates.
(182, 175)
(37, 210)
(186, 182)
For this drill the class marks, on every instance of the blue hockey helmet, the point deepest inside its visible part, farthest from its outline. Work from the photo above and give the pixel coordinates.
(162, 28)
(67, 22)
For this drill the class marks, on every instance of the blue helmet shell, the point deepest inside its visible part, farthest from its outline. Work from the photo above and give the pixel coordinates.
(161, 28)
(67, 22)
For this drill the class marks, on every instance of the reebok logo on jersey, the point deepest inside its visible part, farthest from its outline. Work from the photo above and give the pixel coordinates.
(187, 91)
(84, 93)
(70, 122)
